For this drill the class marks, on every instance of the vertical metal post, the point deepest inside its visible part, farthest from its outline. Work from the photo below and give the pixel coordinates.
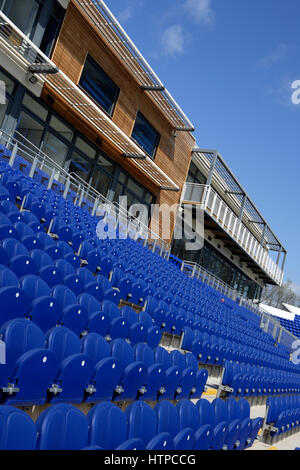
(95, 207)
(33, 167)
(243, 207)
(212, 169)
(81, 197)
(13, 155)
(67, 187)
(51, 179)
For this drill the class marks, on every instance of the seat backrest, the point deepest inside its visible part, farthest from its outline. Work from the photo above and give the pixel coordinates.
(191, 361)
(129, 314)
(65, 267)
(34, 287)
(85, 275)
(62, 427)
(20, 335)
(163, 357)
(41, 258)
(107, 426)
(13, 247)
(206, 412)
(17, 430)
(167, 418)
(141, 421)
(123, 351)
(95, 346)
(7, 277)
(178, 359)
(111, 309)
(89, 302)
(244, 408)
(233, 409)
(188, 416)
(144, 353)
(221, 411)
(63, 342)
(64, 296)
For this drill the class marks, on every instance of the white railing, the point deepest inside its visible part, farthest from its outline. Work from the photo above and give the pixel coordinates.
(218, 209)
(82, 194)
(268, 323)
(194, 270)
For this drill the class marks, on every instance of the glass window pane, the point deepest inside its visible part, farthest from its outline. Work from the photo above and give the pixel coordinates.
(85, 148)
(99, 86)
(136, 189)
(35, 107)
(106, 164)
(122, 177)
(54, 148)
(3, 109)
(30, 129)
(61, 128)
(80, 166)
(145, 135)
(101, 182)
(9, 84)
(24, 14)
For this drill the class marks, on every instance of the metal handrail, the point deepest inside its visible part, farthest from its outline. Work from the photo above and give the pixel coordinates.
(210, 200)
(41, 160)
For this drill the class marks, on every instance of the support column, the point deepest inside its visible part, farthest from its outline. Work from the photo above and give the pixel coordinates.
(243, 207)
(212, 169)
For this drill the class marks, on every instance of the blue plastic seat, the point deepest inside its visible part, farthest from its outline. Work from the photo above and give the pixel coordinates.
(168, 421)
(107, 370)
(134, 374)
(35, 366)
(173, 373)
(207, 417)
(75, 368)
(17, 430)
(187, 375)
(155, 374)
(234, 426)
(62, 427)
(107, 426)
(234, 412)
(142, 421)
(19, 261)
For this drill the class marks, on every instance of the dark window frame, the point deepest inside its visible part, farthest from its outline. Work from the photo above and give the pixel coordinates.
(158, 137)
(109, 113)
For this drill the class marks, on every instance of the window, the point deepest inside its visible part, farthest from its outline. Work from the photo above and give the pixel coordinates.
(99, 86)
(52, 29)
(80, 166)
(54, 148)
(145, 135)
(24, 14)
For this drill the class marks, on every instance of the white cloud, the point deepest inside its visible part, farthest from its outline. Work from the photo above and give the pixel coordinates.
(173, 40)
(276, 56)
(125, 15)
(200, 11)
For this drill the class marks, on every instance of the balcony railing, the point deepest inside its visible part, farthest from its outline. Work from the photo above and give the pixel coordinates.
(219, 211)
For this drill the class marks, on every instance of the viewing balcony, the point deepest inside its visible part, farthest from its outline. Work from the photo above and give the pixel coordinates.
(237, 234)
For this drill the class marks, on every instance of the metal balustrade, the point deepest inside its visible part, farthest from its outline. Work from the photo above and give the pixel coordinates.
(268, 323)
(82, 194)
(219, 211)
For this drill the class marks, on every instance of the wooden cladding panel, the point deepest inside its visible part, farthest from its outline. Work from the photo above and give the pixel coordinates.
(77, 39)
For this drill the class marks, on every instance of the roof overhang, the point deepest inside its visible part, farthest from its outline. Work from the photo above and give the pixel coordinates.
(225, 182)
(28, 57)
(98, 14)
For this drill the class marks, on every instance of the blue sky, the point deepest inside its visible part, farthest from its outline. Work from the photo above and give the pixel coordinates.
(230, 65)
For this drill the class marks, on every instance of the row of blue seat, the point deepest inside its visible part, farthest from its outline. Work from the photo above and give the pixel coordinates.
(185, 426)
(59, 367)
(283, 413)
